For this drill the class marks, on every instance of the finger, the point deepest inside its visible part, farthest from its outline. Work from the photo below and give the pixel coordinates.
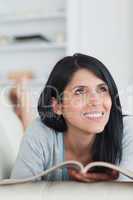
(115, 174)
(98, 176)
(75, 174)
(78, 176)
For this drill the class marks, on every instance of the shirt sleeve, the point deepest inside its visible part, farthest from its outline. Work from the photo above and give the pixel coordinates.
(127, 158)
(32, 156)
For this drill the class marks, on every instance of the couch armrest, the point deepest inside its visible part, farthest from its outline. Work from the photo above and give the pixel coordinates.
(68, 190)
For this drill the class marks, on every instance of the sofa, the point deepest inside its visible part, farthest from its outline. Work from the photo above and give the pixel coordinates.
(11, 132)
(67, 190)
(53, 190)
(10, 138)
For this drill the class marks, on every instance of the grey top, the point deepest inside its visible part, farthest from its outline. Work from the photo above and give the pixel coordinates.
(41, 148)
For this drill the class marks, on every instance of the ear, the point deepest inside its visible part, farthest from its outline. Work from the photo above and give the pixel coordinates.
(57, 107)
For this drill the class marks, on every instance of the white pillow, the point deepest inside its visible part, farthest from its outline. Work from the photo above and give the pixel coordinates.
(11, 132)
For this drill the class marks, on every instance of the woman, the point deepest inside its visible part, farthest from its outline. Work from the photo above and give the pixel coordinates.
(80, 119)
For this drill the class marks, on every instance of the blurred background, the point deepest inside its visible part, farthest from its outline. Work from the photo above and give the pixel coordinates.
(35, 34)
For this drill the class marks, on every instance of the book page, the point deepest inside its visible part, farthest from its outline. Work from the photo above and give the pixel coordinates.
(123, 171)
(72, 164)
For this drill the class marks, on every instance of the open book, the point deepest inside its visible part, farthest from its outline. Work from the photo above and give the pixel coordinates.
(71, 164)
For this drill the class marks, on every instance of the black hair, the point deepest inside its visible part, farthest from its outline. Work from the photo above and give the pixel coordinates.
(108, 145)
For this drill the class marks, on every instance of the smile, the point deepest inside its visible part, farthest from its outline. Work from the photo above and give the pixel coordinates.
(94, 115)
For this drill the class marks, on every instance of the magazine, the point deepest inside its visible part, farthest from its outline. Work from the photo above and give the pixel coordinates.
(71, 164)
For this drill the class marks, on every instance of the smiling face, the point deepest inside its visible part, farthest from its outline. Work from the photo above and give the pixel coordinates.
(86, 103)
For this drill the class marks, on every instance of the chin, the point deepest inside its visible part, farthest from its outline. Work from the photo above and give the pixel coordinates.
(97, 131)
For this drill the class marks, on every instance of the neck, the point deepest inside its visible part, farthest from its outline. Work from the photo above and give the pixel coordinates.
(78, 145)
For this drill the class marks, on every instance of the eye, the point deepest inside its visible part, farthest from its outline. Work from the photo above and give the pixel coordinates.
(104, 89)
(79, 91)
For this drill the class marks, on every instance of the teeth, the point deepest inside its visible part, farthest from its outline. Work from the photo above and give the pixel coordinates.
(94, 114)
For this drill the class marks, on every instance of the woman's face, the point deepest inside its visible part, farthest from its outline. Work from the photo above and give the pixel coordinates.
(86, 103)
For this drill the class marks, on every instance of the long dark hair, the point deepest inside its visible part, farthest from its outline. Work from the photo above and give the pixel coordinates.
(108, 145)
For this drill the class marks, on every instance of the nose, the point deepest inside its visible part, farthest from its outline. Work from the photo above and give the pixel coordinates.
(94, 99)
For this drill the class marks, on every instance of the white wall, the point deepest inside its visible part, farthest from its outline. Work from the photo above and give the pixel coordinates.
(30, 6)
(103, 29)
(39, 60)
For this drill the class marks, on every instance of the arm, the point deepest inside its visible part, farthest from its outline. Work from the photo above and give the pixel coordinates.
(127, 158)
(31, 159)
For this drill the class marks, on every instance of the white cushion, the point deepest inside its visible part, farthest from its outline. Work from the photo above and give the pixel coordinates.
(11, 132)
(68, 190)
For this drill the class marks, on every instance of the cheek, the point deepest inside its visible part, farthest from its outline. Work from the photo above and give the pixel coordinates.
(73, 105)
(108, 104)
(72, 109)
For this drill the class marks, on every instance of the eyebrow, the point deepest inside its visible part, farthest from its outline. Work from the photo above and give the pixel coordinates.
(103, 84)
(85, 86)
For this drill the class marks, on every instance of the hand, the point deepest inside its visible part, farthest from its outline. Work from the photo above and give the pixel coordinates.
(93, 176)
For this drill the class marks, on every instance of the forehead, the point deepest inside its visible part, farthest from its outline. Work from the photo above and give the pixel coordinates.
(85, 77)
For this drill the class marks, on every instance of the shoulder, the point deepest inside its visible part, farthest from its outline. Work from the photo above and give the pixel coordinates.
(128, 125)
(127, 130)
(37, 128)
(37, 132)
(127, 146)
